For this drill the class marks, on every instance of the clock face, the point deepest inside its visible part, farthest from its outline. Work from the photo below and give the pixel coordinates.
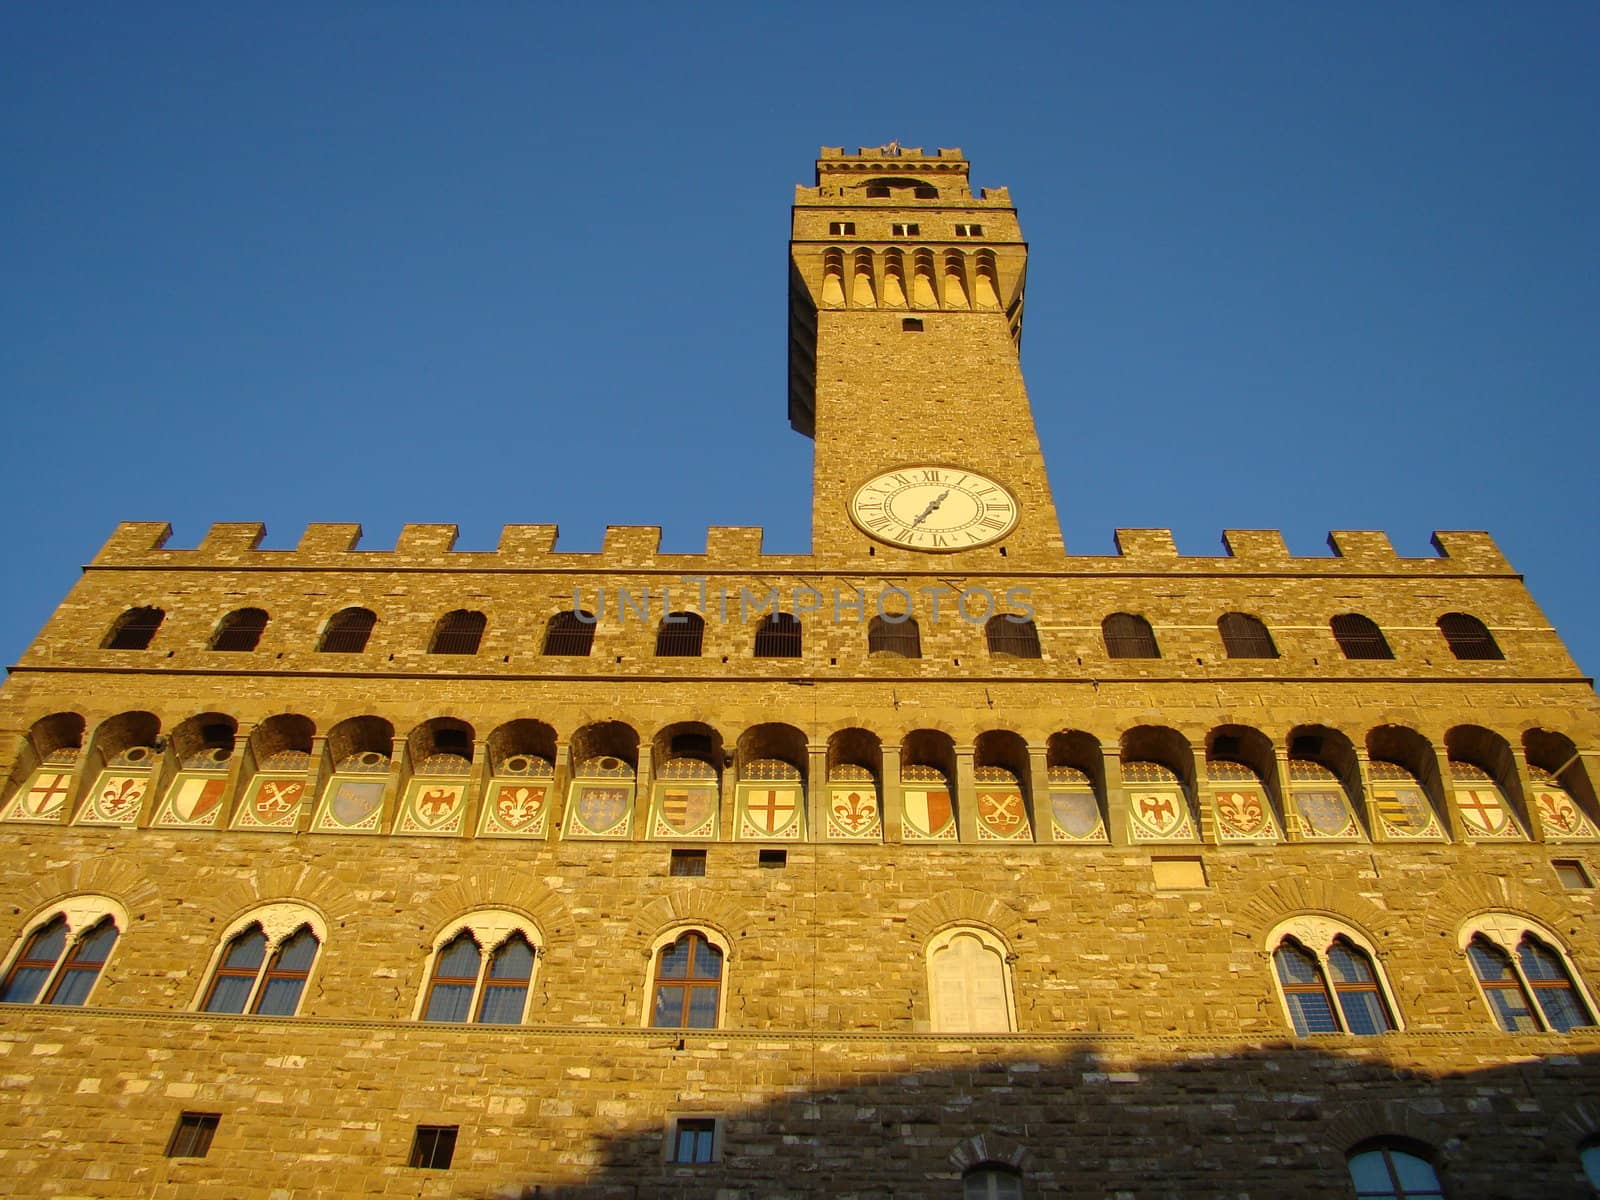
(934, 508)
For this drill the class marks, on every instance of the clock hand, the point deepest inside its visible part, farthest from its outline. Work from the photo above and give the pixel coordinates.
(932, 505)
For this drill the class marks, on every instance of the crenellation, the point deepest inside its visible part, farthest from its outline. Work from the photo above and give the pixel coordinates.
(1264, 546)
(322, 539)
(631, 545)
(134, 540)
(1362, 547)
(1145, 543)
(231, 540)
(429, 543)
(1470, 548)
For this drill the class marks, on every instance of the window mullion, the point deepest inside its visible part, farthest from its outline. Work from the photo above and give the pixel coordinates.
(48, 987)
(1330, 990)
(485, 957)
(1532, 997)
(267, 960)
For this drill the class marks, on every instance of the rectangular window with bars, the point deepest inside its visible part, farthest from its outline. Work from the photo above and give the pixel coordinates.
(434, 1147)
(191, 1137)
(693, 1140)
(688, 862)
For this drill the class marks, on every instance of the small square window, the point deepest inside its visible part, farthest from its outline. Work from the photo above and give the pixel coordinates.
(434, 1147)
(693, 1140)
(842, 228)
(911, 324)
(773, 858)
(901, 229)
(1178, 874)
(191, 1137)
(688, 862)
(1572, 875)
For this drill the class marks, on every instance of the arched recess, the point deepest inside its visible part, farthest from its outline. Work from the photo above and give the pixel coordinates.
(894, 279)
(1563, 792)
(521, 788)
(1003, 792)
(125, 753)
(604, 761)
(356, 762)
(1242, 782)
(770, 794)
(202, 749)
(435, 775)
(854, 793)
(955, 290)
(1407, 792)
(1325, 796)
(928, 799)
(863, 292)
(687, 762)
(1158, 779)
(924, 291)
(45, 772)
(833, 277)
(278, 773)
(1486, 787)
(1076, 766)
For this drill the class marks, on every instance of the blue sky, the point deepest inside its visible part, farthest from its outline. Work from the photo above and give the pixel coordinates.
(1293, 266)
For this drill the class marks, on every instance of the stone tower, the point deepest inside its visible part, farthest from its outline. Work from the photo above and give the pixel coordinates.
(905, 319)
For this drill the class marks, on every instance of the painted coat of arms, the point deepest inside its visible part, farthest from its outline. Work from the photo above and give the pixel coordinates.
(770, 813)
(115, 799)
(42, 798)
(351, 805)
(193, 800)
(515, 809)
(853, 813)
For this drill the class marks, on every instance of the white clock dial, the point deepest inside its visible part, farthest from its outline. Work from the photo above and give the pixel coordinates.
(934, 508)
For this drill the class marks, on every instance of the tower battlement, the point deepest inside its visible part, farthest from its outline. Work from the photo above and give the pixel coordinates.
(237, 544)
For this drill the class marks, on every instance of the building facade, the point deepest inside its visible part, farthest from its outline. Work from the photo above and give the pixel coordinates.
(935, 862)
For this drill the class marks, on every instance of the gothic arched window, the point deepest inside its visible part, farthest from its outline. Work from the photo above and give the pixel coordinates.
(686, 988)
(969, 989)
(1329, 982)
(261, 972)
(1528, 983)
(62, 957)
(466, 985)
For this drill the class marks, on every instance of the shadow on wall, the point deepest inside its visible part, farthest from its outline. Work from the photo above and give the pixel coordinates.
(1268, 1123)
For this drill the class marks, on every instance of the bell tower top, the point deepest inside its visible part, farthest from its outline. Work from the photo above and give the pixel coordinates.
(905, 318)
